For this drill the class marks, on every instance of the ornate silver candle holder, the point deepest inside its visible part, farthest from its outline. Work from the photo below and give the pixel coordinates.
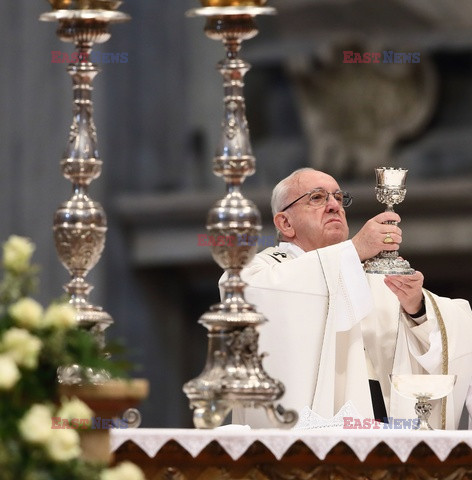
(80, 223)
(390, 190)
(233, 374)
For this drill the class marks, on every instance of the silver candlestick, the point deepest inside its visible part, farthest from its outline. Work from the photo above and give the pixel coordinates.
(80, 223)
(233, 374)
(390, 190)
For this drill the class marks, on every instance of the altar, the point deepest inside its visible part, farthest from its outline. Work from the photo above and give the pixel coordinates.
(296, 454)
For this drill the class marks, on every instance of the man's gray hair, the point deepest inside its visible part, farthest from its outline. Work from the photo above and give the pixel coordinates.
(280, 193)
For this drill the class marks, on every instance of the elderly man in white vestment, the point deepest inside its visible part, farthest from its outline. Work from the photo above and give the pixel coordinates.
(332, 328)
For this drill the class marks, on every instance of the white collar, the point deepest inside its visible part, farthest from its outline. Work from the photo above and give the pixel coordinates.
(291, 249)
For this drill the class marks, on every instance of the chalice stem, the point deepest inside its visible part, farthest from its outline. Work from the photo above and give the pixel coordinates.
(387, 253)
(423, 410)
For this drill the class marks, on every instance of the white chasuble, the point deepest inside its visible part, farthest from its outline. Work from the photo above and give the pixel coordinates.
(314, 302)
(396, 344)
(324, 316)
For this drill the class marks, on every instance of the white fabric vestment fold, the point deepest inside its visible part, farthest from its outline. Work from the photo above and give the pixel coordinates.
(323, 311)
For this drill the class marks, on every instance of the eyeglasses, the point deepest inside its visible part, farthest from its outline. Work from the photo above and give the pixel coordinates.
(319, 197)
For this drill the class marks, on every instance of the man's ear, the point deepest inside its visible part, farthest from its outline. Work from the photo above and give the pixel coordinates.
(283, 225)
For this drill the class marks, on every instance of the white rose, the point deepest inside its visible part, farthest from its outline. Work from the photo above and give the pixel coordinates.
(60, 315)
(36, 424)
(9, 373)
(22, 347)
(26, 313)
(75, 409)
(63, 445)
(123, 471)
(17, 252)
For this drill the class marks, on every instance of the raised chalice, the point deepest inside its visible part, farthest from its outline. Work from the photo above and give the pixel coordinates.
(390, 190)
(423, 389)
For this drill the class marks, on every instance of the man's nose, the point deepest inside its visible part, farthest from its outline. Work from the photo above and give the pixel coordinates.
(332, 205)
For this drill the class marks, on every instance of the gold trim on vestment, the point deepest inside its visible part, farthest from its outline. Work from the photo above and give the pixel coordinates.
(445, 353)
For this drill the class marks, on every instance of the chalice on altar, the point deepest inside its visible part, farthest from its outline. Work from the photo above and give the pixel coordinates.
(390, 190)
(423, 389)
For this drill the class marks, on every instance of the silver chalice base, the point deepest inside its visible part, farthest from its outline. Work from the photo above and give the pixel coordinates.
(388, 266)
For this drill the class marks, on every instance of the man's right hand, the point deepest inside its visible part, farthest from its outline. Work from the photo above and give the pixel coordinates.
(369, 241)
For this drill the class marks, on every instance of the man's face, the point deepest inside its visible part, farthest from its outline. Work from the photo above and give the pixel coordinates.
(315, 227)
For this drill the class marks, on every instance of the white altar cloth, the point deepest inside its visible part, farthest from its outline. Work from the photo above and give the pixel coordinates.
(320, 442)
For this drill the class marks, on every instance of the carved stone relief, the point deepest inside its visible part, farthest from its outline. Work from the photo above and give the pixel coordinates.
(353, 114)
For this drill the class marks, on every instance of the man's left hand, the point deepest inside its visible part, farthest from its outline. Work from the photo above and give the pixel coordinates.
(408, 289)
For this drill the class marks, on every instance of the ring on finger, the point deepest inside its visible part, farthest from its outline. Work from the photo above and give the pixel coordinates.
(388, 238)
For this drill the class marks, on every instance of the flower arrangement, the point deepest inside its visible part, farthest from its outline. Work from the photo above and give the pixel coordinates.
(34, 342)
